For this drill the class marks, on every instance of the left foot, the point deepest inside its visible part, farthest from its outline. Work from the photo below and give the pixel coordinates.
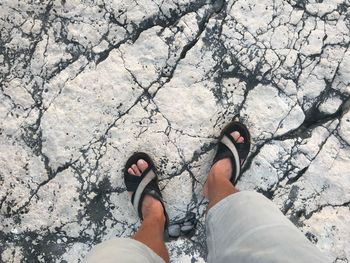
(151, 207)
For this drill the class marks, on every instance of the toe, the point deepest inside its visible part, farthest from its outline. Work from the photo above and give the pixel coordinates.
(136, 170)
(131, 171)
(235, 135)
(142, 165)
(240, 139)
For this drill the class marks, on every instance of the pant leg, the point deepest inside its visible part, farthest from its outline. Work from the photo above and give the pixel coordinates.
(246, 227)
(122, 250)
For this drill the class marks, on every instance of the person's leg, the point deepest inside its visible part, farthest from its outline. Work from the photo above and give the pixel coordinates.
(147, 245)
(151, 231)
(246, 227)
(218, 184)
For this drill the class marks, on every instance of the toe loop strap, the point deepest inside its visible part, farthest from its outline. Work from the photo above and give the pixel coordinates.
(227, 141)
(149, 176)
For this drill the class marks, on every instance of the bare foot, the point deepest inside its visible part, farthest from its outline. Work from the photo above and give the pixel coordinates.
(224, 166)
(151, 207)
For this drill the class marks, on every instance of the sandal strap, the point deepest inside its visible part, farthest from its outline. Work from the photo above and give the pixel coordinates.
(132, 181)
(229, 142)
(147, 178)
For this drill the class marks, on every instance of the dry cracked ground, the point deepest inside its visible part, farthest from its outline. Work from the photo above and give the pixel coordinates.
(84, 84)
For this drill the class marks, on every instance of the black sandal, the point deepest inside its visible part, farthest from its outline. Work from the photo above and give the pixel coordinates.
(146, 184)
(229, 148)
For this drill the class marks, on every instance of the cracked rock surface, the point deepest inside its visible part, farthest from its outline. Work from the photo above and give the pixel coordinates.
(84, 84)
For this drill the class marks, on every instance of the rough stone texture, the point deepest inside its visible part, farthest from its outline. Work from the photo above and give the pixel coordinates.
(84, 84)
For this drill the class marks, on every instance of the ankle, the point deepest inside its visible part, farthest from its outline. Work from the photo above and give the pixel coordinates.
(217, 175)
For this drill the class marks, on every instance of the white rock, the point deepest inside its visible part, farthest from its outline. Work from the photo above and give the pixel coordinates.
(331, 105)
(331, 230)
(254, 15)
(264, 103)
(92, 102)
(344, 130)
(146, 57)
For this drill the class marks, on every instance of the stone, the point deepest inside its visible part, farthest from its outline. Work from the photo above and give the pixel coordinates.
(331, 105)
(187, 223)
(186, 228)
(174, 230)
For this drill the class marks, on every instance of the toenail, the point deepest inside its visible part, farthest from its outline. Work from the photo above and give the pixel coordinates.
(141, 162)
(235, 135)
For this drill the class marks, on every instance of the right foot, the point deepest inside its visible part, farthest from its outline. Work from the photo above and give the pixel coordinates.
(224, 166)
(150, 205)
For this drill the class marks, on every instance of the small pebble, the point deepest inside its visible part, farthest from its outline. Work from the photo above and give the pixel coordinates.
(174, 230)
(186, 229)
(188, 223)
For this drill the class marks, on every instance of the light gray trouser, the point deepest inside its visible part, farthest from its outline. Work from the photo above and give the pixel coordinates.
(243, 227)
